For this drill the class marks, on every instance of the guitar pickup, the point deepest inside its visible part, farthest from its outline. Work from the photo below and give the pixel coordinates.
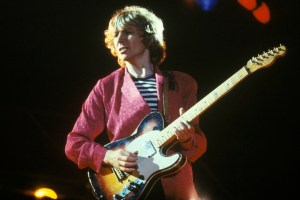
(119, 174)
(149, 148)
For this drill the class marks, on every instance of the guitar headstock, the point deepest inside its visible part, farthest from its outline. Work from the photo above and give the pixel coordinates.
(266, 59)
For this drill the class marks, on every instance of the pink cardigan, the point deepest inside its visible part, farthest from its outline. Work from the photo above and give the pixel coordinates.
(116, 104)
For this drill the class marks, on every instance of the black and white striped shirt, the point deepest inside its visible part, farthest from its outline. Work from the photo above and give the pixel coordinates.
(147, 88)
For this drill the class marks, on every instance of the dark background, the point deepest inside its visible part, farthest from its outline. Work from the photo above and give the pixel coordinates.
(53, 53)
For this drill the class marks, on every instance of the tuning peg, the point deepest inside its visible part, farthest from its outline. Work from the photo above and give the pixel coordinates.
(265, 55)
(256, 61)
(270, 53)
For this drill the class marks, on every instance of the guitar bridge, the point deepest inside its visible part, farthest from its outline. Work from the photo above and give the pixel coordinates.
(131, 191)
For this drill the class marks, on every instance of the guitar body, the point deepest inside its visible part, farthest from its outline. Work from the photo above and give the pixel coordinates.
(112, 183)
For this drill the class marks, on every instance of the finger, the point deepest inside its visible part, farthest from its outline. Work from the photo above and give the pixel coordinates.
(127, 164)
(177, 134)
(181, 110)
(127, 169)
(126, 154)
(181, 126)
(181, 136)
(126, 159)
(188, 127)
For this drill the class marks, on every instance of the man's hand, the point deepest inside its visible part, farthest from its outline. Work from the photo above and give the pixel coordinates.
(122, 159)
(184, 130)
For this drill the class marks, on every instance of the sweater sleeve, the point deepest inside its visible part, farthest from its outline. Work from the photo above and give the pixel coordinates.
(80, 145)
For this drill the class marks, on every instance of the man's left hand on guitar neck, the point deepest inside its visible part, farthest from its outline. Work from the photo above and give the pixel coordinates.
(184, 131)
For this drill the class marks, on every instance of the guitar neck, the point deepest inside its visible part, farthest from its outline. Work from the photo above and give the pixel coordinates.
(167, 135)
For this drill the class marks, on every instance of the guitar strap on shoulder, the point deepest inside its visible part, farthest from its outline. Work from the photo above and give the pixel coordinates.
(165, 100)
(169, 84)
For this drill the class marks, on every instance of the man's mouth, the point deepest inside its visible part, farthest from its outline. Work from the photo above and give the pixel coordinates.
(122, 49)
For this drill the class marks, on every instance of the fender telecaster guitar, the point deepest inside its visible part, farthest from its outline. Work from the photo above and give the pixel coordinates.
(152, 141)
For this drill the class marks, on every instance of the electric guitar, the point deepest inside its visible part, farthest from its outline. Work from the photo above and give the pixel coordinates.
(152, 140)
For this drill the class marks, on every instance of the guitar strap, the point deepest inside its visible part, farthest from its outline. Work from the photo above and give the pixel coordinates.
(165, 100)
(169, 84)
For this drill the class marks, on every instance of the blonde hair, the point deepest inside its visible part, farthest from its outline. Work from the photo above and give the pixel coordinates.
(150, 26)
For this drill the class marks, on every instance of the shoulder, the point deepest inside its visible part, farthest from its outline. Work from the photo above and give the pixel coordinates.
(108, 81)
(111, 78)
(184, 79)
(113, 75)
(181, 82)
(183, 75)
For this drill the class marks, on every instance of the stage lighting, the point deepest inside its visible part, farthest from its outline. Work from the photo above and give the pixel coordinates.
(207, 5)
(45, 192)
(259, 9)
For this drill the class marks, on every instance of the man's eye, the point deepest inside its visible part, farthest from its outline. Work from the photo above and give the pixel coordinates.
(124, 32)
(128, 32)
(116, 34)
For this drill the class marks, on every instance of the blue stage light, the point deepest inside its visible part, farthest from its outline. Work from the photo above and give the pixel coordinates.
(207, 5)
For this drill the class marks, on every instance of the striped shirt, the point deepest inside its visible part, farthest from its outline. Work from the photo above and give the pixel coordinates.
(147, 88)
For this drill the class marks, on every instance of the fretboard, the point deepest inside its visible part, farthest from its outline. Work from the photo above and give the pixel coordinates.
(167, 135)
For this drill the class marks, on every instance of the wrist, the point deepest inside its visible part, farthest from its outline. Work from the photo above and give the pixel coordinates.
(186, 141)
(187, 145)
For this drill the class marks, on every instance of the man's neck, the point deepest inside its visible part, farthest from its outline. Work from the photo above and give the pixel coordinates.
(140, 72)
